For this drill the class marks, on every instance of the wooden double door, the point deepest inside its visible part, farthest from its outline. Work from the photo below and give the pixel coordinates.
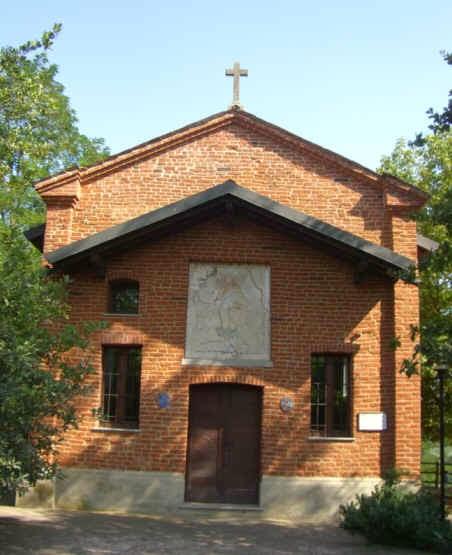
(223, 459)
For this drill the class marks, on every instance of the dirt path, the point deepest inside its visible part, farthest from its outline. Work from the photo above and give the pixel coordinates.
(26, 532)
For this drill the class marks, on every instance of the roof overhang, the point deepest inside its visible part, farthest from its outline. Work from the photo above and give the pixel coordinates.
(426, 244)
(230, 199)
(36, 236)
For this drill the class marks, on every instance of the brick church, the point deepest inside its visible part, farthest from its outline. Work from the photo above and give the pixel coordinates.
(251, 284)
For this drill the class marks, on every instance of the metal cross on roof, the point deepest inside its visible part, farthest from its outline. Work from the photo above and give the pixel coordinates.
(236, 72)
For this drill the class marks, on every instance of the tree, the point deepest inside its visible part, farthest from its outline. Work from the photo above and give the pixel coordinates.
(38, 383)
(43, 359)
(427, 163)
(441, 121)
(38, 128)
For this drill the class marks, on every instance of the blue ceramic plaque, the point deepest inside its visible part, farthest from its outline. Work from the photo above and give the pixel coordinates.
(163, 400)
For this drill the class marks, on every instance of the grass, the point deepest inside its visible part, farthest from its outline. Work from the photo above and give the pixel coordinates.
(430, 451)
(430, 454)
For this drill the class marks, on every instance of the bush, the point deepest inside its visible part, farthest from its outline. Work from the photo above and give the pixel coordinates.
(392, 515)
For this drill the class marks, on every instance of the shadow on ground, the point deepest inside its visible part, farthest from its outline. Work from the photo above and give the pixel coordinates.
(26, 532)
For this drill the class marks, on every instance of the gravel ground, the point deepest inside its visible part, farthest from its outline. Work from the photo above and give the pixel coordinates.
(26, 532)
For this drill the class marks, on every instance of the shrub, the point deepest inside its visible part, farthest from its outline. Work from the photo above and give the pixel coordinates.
(393, 515)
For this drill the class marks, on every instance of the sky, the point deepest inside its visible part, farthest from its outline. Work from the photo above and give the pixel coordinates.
(352, 76)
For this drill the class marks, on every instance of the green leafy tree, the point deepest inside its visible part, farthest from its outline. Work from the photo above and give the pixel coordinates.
(38, 382)
(43, 359)
(427, 163)
(38, 128)
(441, 121)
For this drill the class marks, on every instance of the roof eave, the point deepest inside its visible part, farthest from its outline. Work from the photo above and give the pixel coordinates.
(212, 201)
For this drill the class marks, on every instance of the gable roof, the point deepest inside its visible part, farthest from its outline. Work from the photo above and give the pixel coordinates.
(228, 198)
(234, 116)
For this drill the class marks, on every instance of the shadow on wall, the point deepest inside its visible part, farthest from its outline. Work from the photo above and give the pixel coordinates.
(388, 381)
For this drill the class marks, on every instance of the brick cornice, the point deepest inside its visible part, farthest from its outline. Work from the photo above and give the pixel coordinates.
(69, 201)
(64, 191)
(58, 181)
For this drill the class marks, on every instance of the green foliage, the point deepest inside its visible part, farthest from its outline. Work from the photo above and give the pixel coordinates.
(430, 452)
(429, 166)
(441, 121)
(38, 129)
(38, 383)
(392, 515)
(38, 136)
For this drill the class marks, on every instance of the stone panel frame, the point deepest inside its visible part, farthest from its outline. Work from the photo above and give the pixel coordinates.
(262, 359)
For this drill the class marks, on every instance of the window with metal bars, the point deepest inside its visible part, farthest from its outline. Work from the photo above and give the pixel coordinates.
(330, 396)
(121, 387)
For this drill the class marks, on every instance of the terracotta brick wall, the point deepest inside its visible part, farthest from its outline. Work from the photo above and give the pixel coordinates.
(315, 306)
(252, 161)
(294, 178)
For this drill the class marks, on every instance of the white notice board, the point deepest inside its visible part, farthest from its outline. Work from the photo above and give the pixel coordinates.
(372, 421)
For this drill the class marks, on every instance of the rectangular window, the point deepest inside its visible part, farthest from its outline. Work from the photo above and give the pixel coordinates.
(121, 387)
(123, 296)
(330, 396)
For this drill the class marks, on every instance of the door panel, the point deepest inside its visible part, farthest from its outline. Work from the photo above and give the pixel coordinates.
(204, 440)
(241, 445)
(224, 443)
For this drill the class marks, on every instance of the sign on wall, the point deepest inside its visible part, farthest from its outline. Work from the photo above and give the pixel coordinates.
(228, 319)
(372, 422)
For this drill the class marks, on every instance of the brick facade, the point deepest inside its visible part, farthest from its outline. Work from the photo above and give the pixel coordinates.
(315, 304)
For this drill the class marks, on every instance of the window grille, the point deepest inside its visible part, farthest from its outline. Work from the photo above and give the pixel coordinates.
(330, 396)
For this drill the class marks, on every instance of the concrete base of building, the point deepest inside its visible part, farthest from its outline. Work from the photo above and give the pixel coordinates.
(318, 498)
(281, 498)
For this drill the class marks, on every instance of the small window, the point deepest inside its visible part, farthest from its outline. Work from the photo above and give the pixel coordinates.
(123, 298)
(330, 396)
(121, 387)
